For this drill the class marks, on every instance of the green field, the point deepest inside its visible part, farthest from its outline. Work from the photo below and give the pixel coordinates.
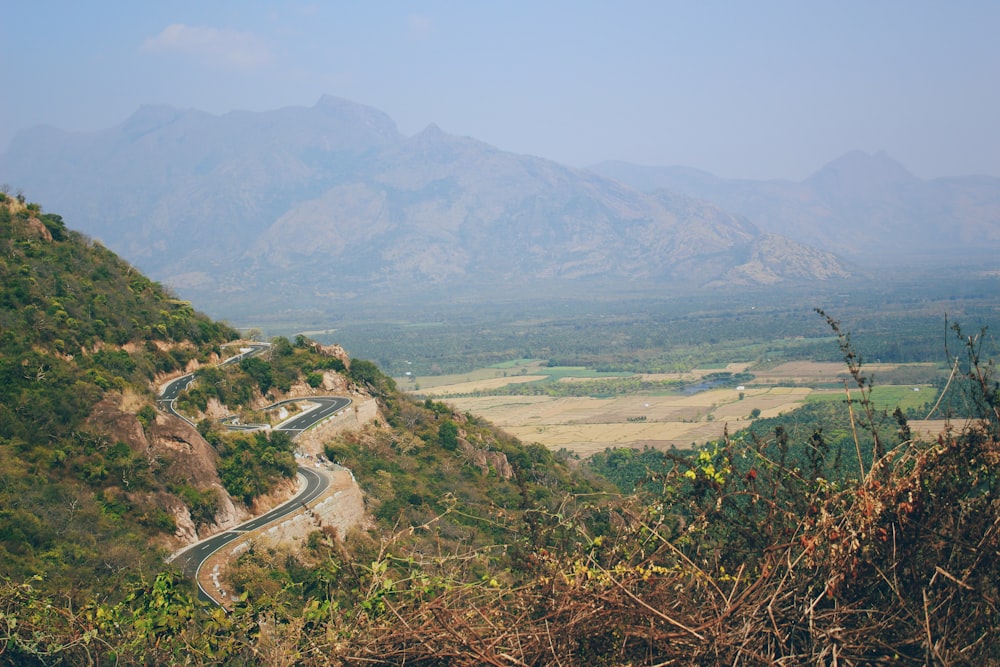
(886, 397)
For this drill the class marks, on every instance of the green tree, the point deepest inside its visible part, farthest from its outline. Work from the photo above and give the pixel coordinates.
(260, 371)
(448, 435)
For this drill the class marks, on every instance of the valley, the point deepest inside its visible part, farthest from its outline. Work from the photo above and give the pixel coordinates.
(570, 399)
(686, 411)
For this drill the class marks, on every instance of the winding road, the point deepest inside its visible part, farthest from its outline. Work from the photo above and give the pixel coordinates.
(192, 558)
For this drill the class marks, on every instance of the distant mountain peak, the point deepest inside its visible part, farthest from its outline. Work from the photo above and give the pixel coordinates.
(334, 103)
(858, 172)
(432, 131)
(358, 114)
(150, 117)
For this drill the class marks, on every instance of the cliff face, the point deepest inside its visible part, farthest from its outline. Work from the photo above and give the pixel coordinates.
(178, 456)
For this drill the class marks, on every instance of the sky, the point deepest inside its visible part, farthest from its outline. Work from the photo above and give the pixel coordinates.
(763, 89)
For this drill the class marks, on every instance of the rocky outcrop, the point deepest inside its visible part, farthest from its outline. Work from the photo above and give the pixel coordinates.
(487, 460)
(334, 351)
(178, 455)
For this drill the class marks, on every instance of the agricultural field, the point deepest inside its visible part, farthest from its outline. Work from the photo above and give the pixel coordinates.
(675, 414)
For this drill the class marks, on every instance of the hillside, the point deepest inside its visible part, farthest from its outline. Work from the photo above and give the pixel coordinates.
(92, 481)
(97, 485)
(330, 204)
(865, 207)
(754, 549)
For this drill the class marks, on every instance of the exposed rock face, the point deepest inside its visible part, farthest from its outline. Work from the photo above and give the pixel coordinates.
(187, 532)
(339, 509)
(334, 382)
(479, 453)
(486, 460)
(363, 410)
(36, 226)
(191, 458)
(175, 451)
(334, 351)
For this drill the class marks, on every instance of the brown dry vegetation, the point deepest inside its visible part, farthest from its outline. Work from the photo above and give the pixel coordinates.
(900, 569)
(722, 567)
(732, 556)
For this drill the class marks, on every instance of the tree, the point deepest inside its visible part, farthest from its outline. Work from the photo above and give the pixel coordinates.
(448, 435)
(260, 371)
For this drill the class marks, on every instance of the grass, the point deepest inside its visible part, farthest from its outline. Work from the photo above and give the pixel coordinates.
(885, 397)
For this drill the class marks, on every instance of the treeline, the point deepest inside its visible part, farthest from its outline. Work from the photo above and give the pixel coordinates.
(614, 386)
(596, 387)
(895, 324)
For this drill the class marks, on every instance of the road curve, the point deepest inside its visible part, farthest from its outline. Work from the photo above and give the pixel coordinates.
(168, 396)
(326, 406)
(191, 559)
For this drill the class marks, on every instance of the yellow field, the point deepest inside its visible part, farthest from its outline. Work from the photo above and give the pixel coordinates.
(586, 425)
(505, 375)
(475, 385)
(817, 372)
(802, 372)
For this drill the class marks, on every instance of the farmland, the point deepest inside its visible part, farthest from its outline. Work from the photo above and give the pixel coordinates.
(673, 416)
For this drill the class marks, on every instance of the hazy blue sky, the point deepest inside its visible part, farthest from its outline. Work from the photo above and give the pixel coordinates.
(754, 89)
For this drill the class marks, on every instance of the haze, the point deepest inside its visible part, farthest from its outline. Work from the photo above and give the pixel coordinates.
(754, 90)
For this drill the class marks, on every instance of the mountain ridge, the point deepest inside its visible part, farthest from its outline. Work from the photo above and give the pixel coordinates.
(866, 207)
(301, 198)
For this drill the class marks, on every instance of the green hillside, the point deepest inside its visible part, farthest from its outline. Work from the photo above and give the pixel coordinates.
(79, 498)
(796, 546)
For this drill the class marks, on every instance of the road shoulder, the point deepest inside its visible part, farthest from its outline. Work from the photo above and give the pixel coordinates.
(339, 508)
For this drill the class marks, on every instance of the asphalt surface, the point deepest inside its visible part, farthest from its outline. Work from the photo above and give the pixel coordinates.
(326, 406)
(191, 559)
(176, 386)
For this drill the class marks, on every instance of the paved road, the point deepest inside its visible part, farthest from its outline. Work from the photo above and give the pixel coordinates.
(173, 389)
(326, 406)
(191, 559)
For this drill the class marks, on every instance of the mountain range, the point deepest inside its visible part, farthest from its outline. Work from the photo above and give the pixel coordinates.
(865, 207)
(332, 204)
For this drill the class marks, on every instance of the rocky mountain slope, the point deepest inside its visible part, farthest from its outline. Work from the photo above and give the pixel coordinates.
(90, 474)
(331, 202)
(865, 207)
(97, 485)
